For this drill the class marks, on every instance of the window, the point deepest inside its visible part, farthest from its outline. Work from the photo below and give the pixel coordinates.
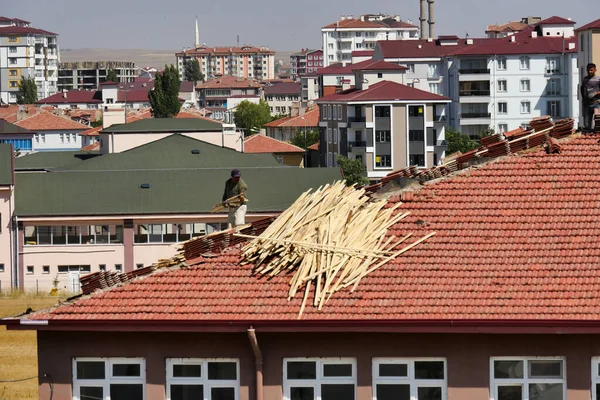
(553, 87)
(12, 60)
(552, 65)
(334, 112)
(380, 75)
(138, 266)
(502, 85)
(502, 107)
(14, 84)
(13, 72)
(502, 128)
(102, 267)
(339, 107)
(114, 378)
(118, 267)
(524, 62)
(12, 38)
(189, 378)
(411, 68)
(383, 161)
(527, 378)
(12, 49)
(501, 62)
(434, 88)
(525, 107)
(383, 136)
(1, 267)
(382, 112)
(30, 269)
(46, 269)
(73, 235)
(64, 269)
(323, 379)
(553, 108)
(403, 379)
(62, 137)
(525, 85)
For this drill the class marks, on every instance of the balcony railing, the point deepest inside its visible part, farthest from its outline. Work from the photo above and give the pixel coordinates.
(476, 115)
(473, 71)
(357, 119)
(474, 93)
(552, 71)
(358, 144)
(433, 75)
(553, 93)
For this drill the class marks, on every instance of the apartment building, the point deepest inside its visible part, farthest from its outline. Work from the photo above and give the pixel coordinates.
(282, 96)
(382, 122)
(310, 89)
(589, 45)
(88, 75)
(247, 62)
(495, 31)
(29, 52)
(222, 95)
(305, 62)
(348, 34)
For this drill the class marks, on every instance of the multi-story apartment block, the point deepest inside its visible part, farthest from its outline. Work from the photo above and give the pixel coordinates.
(310, 89)
(347, 34)
(495, 83)
(222, 95)
(305, 62)
(88, 75)
(282, 96)
(510, 28)
(29, 52)
(244, 62)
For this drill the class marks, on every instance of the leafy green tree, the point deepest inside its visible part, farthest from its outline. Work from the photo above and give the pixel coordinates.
(192, 71)
(164, 98)
(27, 93)
(250, 116)
(311, 138)
(354, 171)
(111, 76)
(96, 123)
(458, 142)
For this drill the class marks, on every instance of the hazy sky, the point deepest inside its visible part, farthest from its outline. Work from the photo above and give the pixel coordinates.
(278, 24)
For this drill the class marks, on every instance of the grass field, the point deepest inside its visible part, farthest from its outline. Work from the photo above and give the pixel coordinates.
(18, 351)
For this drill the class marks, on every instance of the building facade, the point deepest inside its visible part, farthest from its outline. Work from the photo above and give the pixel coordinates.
(281, 97)
(223, 94)
(27, 52)
(88, 75)
(305, 62)
(247, 62)
(348, 34)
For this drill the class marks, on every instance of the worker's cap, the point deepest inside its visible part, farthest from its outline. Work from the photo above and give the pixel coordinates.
(235, 173)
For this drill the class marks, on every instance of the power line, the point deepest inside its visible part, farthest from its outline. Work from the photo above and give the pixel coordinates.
(18, 380)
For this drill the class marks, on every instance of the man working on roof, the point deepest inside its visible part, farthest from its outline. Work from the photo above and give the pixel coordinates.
(590, 96)
(235, 186)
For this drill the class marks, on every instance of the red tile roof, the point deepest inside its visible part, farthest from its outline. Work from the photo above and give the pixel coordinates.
(592, 25)
(309, 119)
(423, 48)
(283, 88)
(6, 19)
(225, 51)
(448, 37)
(265, 144)
(362, 53)
(92, 147)
(555, 20)
(92, 131)
(514, 26)
(74, 97)
(314, 146)
(384, 91)
(134, 96)
(341, 69)
(228, 81)
(46, 121)
(18, 30)
(379, 65)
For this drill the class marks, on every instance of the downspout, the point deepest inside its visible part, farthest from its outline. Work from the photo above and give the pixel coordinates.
(258, 360)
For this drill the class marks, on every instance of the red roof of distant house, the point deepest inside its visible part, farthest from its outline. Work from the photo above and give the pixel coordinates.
(16, 30)
(309, 119)
(74, 97)
(133, 96)
(341, 69)
(227, 50)
(423, 48)
(554, 20)
(384, 91)
(379, 65)
(46, 121)
(283, 88)
(314, 147)
(448, 37)
(110, 83)
(522, 250)
(592, 25)
(92, 147)
(92, 132)
(265, 144)
(6, 19)
(228, 81)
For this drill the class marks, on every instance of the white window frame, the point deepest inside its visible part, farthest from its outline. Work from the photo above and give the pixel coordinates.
(339, 112)
(501, 63)
(207, 384)
(505, 107)
(525, 85)
(108, 378)
(502, 127)
(502, 90)
(410, 379)
(523, 110)
(524, 62)
(320, 379)
(525, 381)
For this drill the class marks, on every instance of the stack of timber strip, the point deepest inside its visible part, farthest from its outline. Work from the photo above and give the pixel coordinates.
(329, 239)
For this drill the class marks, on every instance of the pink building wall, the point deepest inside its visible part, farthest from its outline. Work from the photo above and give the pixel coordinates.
(6, 247)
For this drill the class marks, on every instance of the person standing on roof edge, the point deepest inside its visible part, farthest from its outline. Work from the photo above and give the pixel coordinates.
(590, 96)
(235, 186)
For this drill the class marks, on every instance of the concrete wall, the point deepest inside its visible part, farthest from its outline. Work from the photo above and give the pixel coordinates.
(467, 357)
(399, 136)
(52, 140)
(126, 141)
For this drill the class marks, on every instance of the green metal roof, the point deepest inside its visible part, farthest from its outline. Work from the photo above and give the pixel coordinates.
(6, 175)
(171, 191)
(7, 128)
(165, 125)
(173, 152)
(45, 160)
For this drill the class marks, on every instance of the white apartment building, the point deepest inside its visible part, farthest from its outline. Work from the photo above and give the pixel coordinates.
(348, 34)
(29, 52)
(310, 89)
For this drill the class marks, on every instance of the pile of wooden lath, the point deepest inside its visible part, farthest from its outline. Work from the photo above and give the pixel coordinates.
(330, 239)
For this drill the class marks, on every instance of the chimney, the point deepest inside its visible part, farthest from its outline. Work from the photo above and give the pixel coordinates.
(422, 19)
(431, 19)
(512, 38)
(533, 34)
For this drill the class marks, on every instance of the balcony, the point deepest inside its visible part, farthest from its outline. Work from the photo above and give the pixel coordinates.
(433, 75)
(473, 71)
(474, 93)
(553, 93)
(552, 71)
(441, 145)
(471, 115)
(357, 122)
(358, 144)
(39, 55)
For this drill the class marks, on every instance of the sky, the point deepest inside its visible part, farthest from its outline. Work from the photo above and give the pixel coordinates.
(277, 24)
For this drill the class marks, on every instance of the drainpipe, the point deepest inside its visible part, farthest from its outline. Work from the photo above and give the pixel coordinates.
(258, 363)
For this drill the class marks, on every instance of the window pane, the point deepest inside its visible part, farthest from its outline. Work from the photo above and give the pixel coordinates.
(91, 393)
(429, 370)
(393, 392)
(90, 369)
(126, 369)
(59, 235)
(302, 393)
(545, 369)
(337, 370)
(187, 392)
(127, 392)
(393, 369)
(597, 390)
(545, 391)
(509, 393)
(337, 392)
(73, 235)
(508, 369)
(44, 235)
(301, 370)
(187, 371)
(429, 393)
(222, 394)
(222, 370)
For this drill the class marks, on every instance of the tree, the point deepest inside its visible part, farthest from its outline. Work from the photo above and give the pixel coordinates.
(459, 142)
(111, 76)
(354, 171)
(27, 93)
(96, 123)
(250, 116)
(192, 71)
(164, 98)
(312, 137)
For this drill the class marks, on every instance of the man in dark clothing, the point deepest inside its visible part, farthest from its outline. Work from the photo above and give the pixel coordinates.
(590, 96)
(235, 186)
